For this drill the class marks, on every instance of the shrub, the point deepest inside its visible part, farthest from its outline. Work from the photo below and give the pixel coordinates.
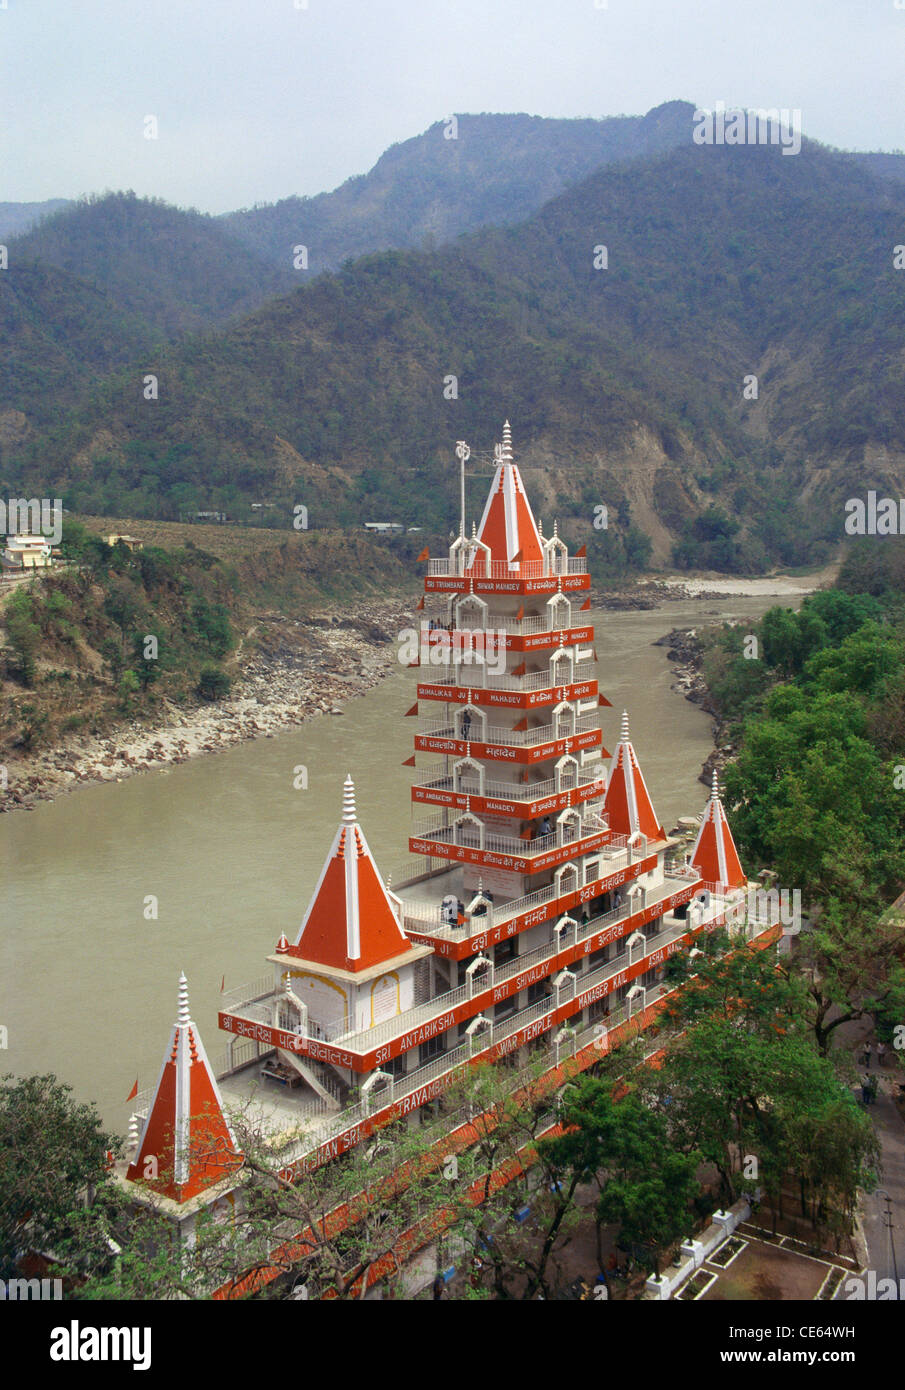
(213, 684)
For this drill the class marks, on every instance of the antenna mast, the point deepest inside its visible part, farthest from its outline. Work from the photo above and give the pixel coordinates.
(463, 454)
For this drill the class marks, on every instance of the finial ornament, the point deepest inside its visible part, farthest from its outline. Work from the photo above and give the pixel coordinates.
(507, 442)
(349, 815)
(623, 731)
(133, 1134)
(184, 1015)
(715, 793)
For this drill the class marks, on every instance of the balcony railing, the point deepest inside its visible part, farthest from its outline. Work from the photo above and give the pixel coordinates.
(472, 566)
(466, 834)
(475, 676)
(427, 918)
(441, 726)
(439, 778)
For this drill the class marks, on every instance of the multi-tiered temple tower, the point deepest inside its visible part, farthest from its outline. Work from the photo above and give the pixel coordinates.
(539, 911)
(511, 702)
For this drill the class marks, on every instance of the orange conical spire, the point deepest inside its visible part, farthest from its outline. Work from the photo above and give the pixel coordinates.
(185, 1144)
(350, 923)
(508, 525)
(627, 801)
(714, 855)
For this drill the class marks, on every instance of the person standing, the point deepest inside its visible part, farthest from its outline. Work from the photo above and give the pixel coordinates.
(868, 1053)
(881, 1054)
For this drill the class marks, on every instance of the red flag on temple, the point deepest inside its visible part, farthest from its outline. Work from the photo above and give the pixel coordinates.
(425, 554)
(134, 1091)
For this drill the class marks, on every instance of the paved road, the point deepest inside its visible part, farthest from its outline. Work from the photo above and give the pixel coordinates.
(887, 1249)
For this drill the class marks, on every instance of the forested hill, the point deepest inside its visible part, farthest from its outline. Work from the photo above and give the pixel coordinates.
(105, 281)
(455, 177)
(623, 385)
(177, 270)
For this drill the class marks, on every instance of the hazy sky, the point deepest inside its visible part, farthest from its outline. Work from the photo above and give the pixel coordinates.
(258, 99)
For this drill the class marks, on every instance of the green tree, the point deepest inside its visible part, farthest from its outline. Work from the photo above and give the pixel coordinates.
(128, 688)
(812, 798)
(645, 1184)
(123, 605)
(23, 633)
(213, 684)
(52, 1153)
(146, 668)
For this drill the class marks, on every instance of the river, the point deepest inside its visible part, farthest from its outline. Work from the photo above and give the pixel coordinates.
(231, 851)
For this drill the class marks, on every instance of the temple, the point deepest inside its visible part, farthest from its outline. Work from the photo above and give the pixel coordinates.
(533, 920)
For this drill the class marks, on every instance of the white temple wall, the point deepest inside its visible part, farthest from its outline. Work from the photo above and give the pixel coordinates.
(328, 1001)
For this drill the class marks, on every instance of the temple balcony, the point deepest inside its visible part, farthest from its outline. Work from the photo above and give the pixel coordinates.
(426, 920)
(446, 726)
(468, 832)
(537, 632)
(446, 786)
(563, 949)
(489, 988)
(551, 623)
(477, 675)
(464, 566)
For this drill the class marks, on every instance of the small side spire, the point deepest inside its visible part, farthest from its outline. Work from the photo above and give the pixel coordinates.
(349, 814)
(184, 1016)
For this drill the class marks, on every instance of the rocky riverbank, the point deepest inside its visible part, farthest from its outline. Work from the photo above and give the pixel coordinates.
(686, 651)
(295, 670)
